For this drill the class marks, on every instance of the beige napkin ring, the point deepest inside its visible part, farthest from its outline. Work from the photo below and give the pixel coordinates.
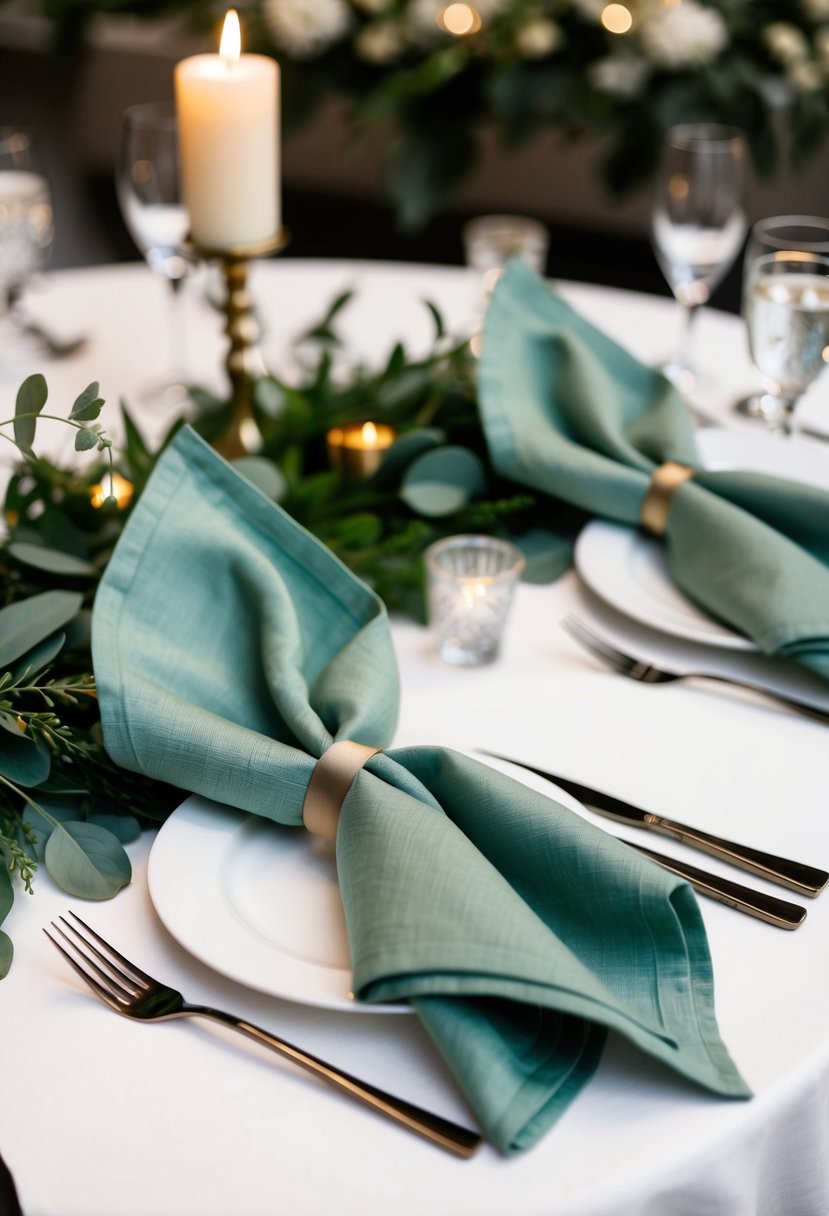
(331, 780)
(653, 515)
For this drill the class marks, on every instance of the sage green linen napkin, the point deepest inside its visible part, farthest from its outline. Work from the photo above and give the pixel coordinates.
(231, 648)
(569, 412)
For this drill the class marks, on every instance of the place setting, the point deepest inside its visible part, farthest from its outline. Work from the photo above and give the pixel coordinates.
(436, 729)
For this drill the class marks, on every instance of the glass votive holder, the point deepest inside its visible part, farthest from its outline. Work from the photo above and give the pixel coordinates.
(470, 582)
(490, 241)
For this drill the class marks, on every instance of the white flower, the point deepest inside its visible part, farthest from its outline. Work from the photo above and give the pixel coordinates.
(619, 75)
(685, 35)
(380, 41)
(306, 27)
(539, 37)
(817, 10)
(805, 76)
(786, 42)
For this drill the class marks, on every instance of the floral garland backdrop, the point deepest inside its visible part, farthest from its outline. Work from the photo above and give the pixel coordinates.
(436, 73)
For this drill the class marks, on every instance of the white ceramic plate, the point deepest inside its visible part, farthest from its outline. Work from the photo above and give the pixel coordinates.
(628, 569)
(260, 903)
(256, 902)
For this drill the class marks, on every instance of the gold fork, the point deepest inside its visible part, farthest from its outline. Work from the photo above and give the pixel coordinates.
(647, 673)
(133, 993)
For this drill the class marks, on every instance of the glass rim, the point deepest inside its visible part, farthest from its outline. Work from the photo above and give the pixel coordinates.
(764, 228)
(161, 114)
(686, 135)
(475, 540)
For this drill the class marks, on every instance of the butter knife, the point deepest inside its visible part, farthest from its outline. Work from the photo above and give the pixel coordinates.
(794, 875)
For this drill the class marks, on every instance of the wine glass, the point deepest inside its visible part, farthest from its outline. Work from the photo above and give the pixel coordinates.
(149, 194)
(697, 223)
(804, 233)
(787, 319)
(26, 226)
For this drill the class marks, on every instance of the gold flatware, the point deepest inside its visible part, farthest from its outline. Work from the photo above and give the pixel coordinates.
(647, 673)
(794, 875)
(131, 992)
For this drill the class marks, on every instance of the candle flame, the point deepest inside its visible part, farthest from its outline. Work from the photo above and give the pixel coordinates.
(113, 486)
(369, 434)
(230, 47)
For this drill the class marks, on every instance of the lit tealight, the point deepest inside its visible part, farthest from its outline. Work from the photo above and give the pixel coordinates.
(617, 19)
(113, 486)
(357, 450)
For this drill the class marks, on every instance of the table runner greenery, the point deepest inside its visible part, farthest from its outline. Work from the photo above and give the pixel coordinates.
(63, 803)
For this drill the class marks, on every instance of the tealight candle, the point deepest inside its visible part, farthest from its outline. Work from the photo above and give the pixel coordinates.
(228, 116)
(357, 449)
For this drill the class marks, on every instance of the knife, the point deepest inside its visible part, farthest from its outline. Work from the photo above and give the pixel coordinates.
(794, 875)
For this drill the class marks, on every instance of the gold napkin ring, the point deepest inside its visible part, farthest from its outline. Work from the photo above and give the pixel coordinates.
(665, 482)
(331, 780)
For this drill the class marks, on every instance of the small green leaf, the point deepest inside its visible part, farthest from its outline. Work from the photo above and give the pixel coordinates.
(406, 449)
(10, 723)
(6, 892)
(87, 861)
(548, 555)
(125, 828)
(65, 810)
(85, 439)
(29, 621)
(23, 760)
(442, 481)
(88, 405)
(52, 560)
(31, 398)
(6, 954)
(40, 656)
(437, 317)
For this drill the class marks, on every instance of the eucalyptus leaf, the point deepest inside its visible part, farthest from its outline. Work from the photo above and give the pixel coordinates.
(6, 954)
(51, 560)
(443, 481)
(264, 474)
(39, 656)
(6, 892)
(404, 450)
(548, 555)
(125, 828)
(88, 405)
(87, 861)
(29, 621)
(65, 810)
(31, 398)
(85, 439)
(24, 761)
(9, 722)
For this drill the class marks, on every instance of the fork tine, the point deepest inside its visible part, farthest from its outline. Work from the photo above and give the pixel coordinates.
(131, 971)
(597, 645)
(109, 997)
(110, 975)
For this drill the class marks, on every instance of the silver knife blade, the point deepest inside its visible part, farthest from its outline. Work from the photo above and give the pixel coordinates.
(794, 875)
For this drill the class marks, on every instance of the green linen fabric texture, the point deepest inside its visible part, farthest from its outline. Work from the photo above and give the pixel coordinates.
(231, 649)
(569, 412)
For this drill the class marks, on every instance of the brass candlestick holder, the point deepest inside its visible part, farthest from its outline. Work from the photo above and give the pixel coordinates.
(243, 362)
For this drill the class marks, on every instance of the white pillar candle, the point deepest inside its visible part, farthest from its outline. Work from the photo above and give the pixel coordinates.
(228, 115)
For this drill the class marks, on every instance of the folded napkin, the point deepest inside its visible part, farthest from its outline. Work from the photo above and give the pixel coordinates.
(231, 648)
(569, 412)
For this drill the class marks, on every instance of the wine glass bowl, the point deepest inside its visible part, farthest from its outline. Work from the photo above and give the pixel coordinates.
(779, 234)
(787, 320)
(148, 186)
(698, 222)
(26, 219)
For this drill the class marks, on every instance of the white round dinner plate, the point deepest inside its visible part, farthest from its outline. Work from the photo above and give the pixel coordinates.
(259, 903)
(628, 570)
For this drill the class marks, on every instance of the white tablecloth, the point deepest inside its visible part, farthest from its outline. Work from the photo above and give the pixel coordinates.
(103, 1117)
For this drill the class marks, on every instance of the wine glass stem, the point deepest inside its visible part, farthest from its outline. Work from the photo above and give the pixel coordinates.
(782, 422)
(178, 343)
(685, 350)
